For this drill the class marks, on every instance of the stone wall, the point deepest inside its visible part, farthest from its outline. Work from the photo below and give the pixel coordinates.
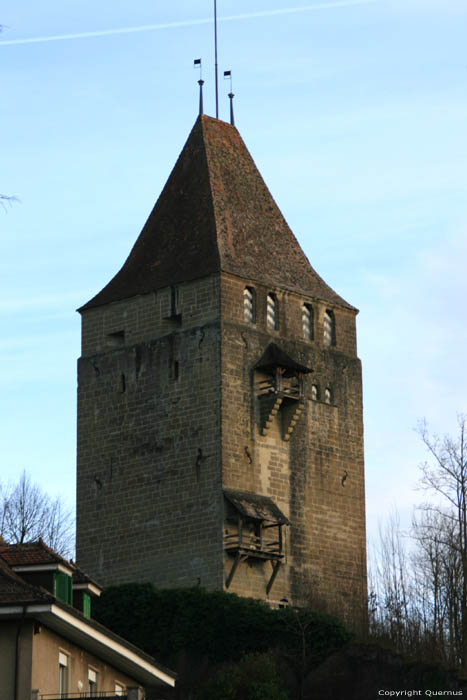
(316, 477)
(148, 496)
(169, 414)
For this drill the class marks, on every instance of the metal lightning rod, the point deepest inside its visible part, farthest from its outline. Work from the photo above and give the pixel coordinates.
(215, 59)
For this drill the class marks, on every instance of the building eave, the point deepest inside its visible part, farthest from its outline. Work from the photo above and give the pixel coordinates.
(96, 640)
(34, 568)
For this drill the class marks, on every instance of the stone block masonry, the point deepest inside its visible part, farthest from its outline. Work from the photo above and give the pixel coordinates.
(149, 444)
(169, 416)
(220, 431)
(317, 477)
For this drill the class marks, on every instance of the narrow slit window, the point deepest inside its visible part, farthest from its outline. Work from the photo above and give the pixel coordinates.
(315, 392)
(327, 395)
(122, 384)
(249, 305)
(307, 322)
(174, 303)
(329, 333)
(271, 312)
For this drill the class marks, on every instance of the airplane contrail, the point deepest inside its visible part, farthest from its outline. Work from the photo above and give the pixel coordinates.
(188, 23)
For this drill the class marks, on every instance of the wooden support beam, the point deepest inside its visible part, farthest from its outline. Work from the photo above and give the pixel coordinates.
(275, 570)
(233, 569)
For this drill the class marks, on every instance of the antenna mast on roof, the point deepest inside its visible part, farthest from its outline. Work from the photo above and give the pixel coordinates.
(215, 59)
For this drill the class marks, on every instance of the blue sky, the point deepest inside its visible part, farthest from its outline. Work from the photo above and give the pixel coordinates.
(354, 111)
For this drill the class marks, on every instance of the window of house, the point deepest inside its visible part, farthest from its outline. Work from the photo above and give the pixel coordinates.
(249, 305)
(271, 312)
(92, 681)
(119, 689)
(329, 334)
(315, 392)
(307, 322)
(62, 674)
(327, 395)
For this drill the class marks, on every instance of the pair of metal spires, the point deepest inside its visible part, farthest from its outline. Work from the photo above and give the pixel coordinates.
(227, 74)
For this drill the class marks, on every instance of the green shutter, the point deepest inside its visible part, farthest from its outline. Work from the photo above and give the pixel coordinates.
(63, 587)
(70, 590)
(86, 605)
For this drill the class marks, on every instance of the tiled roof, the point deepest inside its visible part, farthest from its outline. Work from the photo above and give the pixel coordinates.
(274, 357)
(14, 590)
(256, 506)
(215, 214)
(80, 577)
(31, 553)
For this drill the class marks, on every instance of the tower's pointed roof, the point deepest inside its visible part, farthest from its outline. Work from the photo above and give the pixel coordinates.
(215, 214)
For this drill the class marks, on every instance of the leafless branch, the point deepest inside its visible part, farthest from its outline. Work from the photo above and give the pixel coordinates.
(27, 513)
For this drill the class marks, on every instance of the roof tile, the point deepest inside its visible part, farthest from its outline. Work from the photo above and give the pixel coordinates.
(215, 214)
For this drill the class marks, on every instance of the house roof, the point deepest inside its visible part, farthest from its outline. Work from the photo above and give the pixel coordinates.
(80, 578)
(254, 506)
(215, 214)
(14, 590)
(17, 597)
(32, 554)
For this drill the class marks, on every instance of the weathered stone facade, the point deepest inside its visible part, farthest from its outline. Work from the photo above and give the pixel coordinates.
(149, 504)
(175, 406)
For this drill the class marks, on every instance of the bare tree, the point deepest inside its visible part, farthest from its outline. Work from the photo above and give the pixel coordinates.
(437, 569)
(27, 513)
(445, 475)
(391, 587)
(418, 585)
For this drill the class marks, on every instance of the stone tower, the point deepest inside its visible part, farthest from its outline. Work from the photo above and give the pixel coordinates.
(220, 436)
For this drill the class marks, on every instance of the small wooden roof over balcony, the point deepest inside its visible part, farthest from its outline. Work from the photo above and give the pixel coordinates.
(253, 506)
(274, 357)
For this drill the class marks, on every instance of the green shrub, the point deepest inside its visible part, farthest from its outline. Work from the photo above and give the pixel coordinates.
(221, 626)
(254, 677)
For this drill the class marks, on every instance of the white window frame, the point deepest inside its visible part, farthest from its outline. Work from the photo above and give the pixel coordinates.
(63, 659)
(93, 677)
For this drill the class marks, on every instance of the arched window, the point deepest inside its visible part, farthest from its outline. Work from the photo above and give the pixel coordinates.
(307, 322)
(329, 333)
(315, 392)
(249, 305)
(327, 395)
(271, 312)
